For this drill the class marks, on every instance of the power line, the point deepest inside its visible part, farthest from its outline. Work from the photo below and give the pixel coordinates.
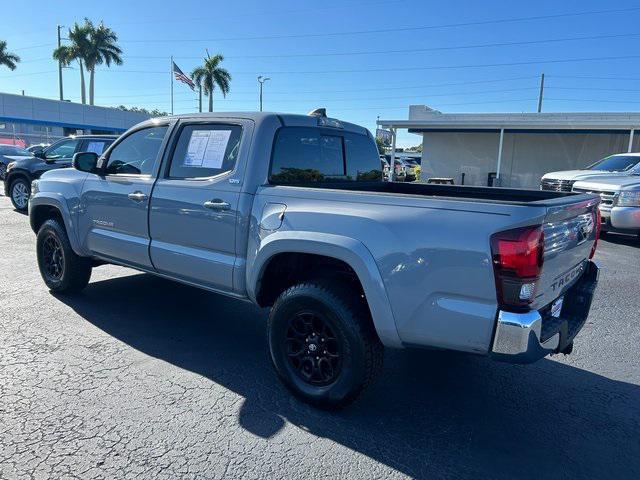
(393, 30)
(411, 50)
(597, 78)
(630, 90)
(26, 74)
(590, 100)
(407, 69)
(35, 46)
(446, 104)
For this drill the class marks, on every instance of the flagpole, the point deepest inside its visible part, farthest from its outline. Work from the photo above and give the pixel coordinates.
(171, 73)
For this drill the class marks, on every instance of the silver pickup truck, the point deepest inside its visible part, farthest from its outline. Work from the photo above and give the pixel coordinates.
(290, 212)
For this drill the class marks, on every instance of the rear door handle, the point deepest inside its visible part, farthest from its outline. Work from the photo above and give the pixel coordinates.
(137, 196)
(216, 204)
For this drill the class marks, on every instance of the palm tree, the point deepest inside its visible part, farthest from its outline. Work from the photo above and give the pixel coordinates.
(102, 48)
(77, 50)
(7, 59)
(211, 74)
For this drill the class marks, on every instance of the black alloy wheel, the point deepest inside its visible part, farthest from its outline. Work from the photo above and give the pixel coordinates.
(314, 351)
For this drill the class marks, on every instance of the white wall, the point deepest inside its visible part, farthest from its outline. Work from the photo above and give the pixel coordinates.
(525, 157)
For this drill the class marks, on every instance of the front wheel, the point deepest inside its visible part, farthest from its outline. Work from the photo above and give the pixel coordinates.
(61, 269)
(323, 344)
(3, 171)
(20, 191)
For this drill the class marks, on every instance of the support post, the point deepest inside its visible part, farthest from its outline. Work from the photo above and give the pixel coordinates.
(60, 67)
(630, 149)
(499, 157)
(392, 161)
(541, 93)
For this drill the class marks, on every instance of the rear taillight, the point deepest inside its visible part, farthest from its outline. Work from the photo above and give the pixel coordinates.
(517, 263)
(598, 221)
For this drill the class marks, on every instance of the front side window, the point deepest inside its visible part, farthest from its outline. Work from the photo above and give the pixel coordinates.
(302, 155)
(64, 149)
(137, 153)
(205, 151)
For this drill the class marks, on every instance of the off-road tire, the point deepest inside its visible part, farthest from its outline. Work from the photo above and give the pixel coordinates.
(348, 316)
(76, 270)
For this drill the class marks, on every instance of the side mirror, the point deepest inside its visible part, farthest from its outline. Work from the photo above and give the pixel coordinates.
(39, 154)
(85, 161)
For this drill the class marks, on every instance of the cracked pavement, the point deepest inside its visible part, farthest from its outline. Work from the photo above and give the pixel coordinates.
(139, 377)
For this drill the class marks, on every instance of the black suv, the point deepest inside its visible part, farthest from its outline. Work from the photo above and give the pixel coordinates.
(20, 174)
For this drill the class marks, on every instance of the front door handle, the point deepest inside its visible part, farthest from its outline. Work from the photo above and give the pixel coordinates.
(216, 204)
(137, 196)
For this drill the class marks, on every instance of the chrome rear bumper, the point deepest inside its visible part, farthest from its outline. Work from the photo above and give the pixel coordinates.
(529, 336)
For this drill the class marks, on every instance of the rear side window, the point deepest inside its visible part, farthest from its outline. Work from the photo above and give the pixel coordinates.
(303, 155)
(363, 160)
(205, 151)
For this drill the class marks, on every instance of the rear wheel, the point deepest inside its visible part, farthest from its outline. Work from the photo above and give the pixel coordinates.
(323, 344)
(61, 269)
(20, 191)
(3, 171)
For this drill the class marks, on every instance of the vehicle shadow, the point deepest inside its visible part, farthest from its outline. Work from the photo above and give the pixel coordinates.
(431, 414)
(621, 239)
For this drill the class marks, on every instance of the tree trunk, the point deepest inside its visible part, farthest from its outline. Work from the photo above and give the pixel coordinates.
(92, 74)
(211, 101)
(83, 93)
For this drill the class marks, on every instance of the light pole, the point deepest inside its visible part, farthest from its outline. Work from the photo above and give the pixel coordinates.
(261, 81)
(60, 65)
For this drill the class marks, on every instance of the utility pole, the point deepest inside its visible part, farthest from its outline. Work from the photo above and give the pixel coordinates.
(541, 93)
(60, 66)
(261, 81)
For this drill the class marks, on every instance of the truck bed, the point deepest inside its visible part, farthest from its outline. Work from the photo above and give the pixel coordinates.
(487, 194)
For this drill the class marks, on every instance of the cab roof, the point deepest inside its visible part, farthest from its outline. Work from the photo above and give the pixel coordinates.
(286, 119)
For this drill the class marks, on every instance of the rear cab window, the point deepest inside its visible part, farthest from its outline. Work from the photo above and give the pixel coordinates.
(308, 155)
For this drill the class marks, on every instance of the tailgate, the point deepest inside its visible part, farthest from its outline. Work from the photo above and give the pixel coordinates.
(569, 233)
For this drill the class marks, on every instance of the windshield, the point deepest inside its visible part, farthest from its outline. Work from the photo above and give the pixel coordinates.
(615, 163)
(11, 150)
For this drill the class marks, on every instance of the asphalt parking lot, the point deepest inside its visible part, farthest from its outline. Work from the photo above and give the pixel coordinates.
(138, 377)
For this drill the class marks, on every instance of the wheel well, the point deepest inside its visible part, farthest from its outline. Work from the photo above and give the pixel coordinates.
(287, 269)
(42, 213)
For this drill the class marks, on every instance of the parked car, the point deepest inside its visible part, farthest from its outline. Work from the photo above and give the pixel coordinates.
(8, 154)
(280, 210)
(620, 204)
(400, 169)
(20, 173)
(620, 164)
(416, 169)
(38, 148)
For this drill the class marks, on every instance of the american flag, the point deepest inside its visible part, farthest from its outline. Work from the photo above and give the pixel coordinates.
(181, 77)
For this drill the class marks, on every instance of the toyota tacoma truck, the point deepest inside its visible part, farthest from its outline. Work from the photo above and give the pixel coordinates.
(290, 212)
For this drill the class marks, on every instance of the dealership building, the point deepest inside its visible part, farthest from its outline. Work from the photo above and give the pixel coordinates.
(28, 121)
(514, 149)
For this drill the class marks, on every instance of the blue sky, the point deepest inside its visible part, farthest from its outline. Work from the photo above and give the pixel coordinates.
(359, 59)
